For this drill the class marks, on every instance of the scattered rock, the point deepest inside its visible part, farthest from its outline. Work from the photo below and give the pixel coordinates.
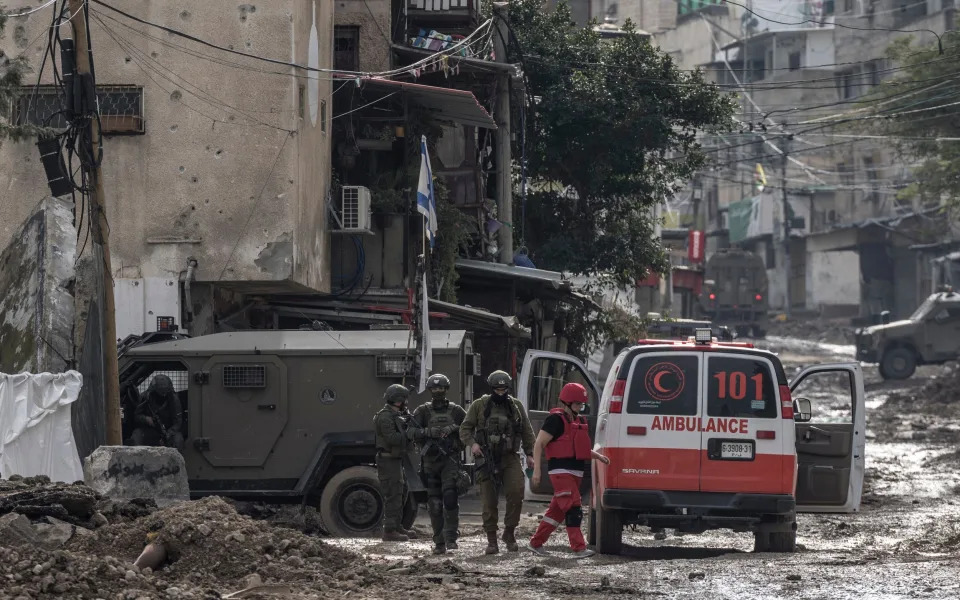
(794, 577)
(128, 472)
(605, 581)
(695, 575)
(98, 520)
(401, 571)
(54, 533)
(536, 571)
(16, 529)
(660, 536)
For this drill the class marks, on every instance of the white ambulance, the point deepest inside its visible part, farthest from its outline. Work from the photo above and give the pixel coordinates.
(709, 435)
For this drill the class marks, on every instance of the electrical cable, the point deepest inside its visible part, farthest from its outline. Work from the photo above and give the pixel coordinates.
(30, 11)
(483, 27)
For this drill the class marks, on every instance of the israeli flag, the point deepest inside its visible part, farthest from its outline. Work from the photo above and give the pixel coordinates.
(426, 201)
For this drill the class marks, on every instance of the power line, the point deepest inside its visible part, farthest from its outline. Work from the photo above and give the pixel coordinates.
(821, 22)
(484, 27)
(30, 11)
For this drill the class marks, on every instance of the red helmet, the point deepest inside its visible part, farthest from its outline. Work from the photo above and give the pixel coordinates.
(573, 392)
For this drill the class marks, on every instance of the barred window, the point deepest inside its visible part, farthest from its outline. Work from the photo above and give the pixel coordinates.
(121, 108)
(244, 376)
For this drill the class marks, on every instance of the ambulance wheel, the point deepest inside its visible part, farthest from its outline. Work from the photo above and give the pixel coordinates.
(765, 540)
(609, 532)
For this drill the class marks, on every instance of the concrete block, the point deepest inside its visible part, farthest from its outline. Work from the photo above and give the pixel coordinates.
(36, 276)
(128, 472)
(16, 529)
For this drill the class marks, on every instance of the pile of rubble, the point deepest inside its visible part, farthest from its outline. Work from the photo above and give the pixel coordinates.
(89, 549)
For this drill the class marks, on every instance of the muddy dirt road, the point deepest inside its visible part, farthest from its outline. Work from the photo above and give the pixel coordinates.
(905, 542)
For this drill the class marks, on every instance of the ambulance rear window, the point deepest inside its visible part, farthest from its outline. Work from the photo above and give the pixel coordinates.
(664, 385)
(740, 387)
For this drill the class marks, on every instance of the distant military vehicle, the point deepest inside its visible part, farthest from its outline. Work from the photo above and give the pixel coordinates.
(735, 291)
(930, 336)
(288, 415)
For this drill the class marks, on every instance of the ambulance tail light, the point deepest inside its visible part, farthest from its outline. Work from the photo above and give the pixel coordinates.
(766, 435)
(616, 400)
(786, 402)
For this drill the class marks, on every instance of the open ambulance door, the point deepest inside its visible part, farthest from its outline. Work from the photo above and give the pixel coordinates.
(830, 415)
(542, 377)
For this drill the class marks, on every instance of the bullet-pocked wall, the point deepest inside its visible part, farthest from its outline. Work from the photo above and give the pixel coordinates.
(224, 159)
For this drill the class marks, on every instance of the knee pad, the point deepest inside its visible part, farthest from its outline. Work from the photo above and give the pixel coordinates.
(574, 516)
(450, 501)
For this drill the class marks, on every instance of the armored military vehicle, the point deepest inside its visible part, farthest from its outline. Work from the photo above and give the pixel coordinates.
(288, 415)
(930, 336)
(735, 291)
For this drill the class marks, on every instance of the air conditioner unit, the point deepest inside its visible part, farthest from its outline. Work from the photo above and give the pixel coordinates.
(355, 209)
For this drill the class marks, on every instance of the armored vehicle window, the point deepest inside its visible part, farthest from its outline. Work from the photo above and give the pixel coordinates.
(244, 376)
(664, 386)
(946, 312)
(180, 380)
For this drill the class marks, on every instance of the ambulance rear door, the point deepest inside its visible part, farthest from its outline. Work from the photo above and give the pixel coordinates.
(742, 446)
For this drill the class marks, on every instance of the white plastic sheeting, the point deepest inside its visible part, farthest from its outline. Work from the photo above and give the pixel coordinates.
(36, 436)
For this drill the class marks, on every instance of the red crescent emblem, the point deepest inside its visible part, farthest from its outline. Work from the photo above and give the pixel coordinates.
(667, 390)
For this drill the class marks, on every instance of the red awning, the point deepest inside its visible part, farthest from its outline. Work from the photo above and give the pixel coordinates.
(683, 279)
(459, 106)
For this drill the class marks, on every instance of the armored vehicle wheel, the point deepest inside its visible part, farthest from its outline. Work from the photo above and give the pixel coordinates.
(775, 541)
(351, 504)
(898, 363)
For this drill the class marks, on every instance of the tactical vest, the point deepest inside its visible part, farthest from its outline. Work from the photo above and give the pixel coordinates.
(500, 429)
(574, 442)
(395, 451)
(442, 418)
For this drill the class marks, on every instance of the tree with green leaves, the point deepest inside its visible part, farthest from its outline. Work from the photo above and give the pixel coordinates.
(611, 131)
(12, 70)
(917, 108)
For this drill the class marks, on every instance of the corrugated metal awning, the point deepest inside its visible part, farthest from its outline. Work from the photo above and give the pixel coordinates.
(459, 106)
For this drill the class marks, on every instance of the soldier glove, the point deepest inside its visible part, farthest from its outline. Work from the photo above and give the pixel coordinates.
(435, 432)
(449, 429)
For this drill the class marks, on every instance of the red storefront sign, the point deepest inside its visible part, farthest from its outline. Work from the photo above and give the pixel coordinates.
(695, 246)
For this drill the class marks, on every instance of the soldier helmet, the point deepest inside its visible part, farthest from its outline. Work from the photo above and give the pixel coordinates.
(438, 380)
(573, 393)
(161, 384)
(499, 379)
(396, 394)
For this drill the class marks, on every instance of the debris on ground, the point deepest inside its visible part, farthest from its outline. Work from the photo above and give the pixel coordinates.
(825, 331)
(35, 497)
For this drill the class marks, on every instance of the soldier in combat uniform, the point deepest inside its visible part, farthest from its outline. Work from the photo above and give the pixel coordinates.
(391, 440)
(435, 427)
(495, 428)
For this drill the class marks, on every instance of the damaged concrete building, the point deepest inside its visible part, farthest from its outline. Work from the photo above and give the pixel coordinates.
(216, 166)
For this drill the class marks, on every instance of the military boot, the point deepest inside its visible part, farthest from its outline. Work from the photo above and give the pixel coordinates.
(409, 533)
(492, 547)
(439, 549)
(510, 539)
(394, 536)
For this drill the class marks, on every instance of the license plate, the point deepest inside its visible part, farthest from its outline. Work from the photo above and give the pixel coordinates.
(736, 450)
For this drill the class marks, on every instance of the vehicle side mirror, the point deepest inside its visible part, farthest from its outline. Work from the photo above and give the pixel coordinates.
(802, 410)
(885, 317)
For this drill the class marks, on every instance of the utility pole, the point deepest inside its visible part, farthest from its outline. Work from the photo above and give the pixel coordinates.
(786, 222)
(99, 229)
(502, 117)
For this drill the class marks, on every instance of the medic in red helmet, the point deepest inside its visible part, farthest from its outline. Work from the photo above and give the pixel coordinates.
(566, 439)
